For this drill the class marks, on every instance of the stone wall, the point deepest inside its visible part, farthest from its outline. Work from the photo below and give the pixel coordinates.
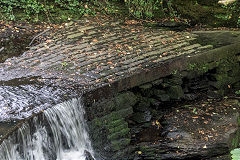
(118, 122)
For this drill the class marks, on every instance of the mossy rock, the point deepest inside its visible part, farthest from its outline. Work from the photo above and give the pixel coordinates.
(175, 92)
(121, 134)
(119, 114)
(113, 124)
(142, 117)
(235, 140)
(120, 144)
(161, 95)
(125, 100)
(143, 105)
(146, 90)
(164, 97)
(175, 81)
(145, 86)
(118, 127)
(157, 82)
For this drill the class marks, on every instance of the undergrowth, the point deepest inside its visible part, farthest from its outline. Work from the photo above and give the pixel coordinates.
(42, 10)
(63, 10)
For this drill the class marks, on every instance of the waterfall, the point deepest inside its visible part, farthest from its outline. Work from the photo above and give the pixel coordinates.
(64, 138)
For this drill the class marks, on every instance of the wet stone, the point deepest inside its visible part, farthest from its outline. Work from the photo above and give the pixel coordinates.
(142, 117)
(163, 97)
(175, 92)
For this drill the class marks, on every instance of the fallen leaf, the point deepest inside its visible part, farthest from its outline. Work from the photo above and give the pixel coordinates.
(95, 40)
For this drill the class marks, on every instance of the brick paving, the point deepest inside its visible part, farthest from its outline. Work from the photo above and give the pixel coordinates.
(92, 54)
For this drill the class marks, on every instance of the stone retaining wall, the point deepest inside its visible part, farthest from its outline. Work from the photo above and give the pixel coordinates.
(115, 122)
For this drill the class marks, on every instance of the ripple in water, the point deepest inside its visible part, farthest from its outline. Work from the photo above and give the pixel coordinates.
(65, 138)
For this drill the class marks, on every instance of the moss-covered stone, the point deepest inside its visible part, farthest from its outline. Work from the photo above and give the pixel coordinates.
(113, 124)
(151, 152)
(165, 85)
(238, 58)
(120, 144)
(125, 100)
(146, 90)
(175, 81)
(164, 97)
(142, 117)
(117, 127)
(157, 82)
(191, 74)
(159, 92)
(146, 86)
(153, 101)
(111, 117)
(119, 134)
(143, 105)
(175, 92)
(235, 140)
(222, 81)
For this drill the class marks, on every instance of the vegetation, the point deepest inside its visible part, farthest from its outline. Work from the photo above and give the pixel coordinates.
(198, 11)
(237, 92)
(235, 154)
(39, 10)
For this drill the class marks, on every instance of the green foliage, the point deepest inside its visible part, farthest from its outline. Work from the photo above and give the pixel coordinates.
(28, 6)
(107, 6)
(235, 154)
(150, 8)
(142, 8)
(197, 11)
(237, 92)
(232, 13)
(33, 9)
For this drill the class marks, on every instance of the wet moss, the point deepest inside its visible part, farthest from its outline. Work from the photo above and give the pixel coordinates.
(125, 100)
(120, 144)
(236, 140)
(120, 134)
(175, 92)
(113, 124)
(118, 127)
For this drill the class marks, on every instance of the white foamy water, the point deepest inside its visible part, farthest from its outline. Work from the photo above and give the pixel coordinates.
(69, 139)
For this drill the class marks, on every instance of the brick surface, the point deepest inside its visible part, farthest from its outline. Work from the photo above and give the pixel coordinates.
(88, 53)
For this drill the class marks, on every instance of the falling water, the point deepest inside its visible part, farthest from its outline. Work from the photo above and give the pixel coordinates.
(67, 138)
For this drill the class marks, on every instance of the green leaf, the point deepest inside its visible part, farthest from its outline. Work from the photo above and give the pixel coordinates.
(235, 154)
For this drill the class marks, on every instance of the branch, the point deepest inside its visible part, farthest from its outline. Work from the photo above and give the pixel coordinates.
(1, 49)
(38, 36)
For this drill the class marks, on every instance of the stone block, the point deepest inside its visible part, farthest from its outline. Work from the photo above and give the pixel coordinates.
(145, 86)
(175, 92)
(113, 124)
(125, 100)
(120, 144)
(157, 82)
(142, 117)
(159, 92)
(175, 81)
(143, 105)
(163, 97)
(118, 127)
(121, 134)
(146, 90)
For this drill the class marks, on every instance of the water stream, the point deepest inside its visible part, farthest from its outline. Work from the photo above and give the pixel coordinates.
(64, 138)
